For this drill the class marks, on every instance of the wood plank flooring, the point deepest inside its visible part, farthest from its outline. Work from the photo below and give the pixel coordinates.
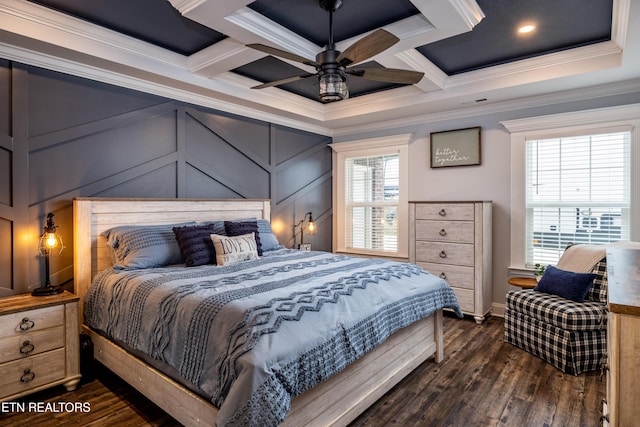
(482, 382)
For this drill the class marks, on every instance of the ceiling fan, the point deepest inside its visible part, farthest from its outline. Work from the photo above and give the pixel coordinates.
(332, 66)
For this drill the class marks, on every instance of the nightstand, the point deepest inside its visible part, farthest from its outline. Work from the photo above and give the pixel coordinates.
(39, 344)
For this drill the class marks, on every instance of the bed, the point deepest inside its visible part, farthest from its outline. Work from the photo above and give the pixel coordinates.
(373, 367)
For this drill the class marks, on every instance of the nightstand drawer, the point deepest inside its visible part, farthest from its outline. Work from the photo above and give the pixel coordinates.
(465, 299)
(445, 253)
(444, 231)
(31, 320)
(31, 343)
(455, 275)
(445, 211)
(31, 372)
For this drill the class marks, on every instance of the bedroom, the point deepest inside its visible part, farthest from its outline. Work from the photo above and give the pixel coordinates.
(79, 115)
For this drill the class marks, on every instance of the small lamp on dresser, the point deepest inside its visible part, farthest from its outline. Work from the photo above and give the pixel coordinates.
(311, 229)
(50, 244)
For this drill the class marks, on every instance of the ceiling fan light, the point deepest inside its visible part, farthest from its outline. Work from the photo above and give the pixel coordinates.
(333, 87)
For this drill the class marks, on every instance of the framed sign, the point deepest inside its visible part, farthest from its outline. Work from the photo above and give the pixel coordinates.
(455, 148)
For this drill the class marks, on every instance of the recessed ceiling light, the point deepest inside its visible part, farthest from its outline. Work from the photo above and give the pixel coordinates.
(527, 28)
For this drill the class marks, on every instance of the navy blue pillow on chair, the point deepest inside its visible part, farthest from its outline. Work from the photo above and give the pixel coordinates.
(565, 284)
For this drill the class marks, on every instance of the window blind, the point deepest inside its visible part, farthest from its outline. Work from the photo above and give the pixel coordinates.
(577, 191)
(371, 205)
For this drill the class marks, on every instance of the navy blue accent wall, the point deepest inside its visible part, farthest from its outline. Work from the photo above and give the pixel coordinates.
(63, 136)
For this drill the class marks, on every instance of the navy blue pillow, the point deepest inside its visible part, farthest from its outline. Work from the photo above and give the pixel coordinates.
(196, 245)
(239, 228)
(566, 284)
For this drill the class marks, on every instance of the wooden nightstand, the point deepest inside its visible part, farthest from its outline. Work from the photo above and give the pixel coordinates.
(523, 282)
(39, 344)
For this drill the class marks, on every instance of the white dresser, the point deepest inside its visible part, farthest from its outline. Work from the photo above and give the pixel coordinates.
(453, 240)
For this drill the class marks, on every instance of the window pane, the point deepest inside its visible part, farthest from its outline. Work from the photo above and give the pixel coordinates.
(577, 192)
(372, 194)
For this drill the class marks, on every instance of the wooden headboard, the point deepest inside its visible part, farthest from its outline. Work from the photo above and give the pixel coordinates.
(93, 216)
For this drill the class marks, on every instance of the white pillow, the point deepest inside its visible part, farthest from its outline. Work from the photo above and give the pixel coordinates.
(232, 249)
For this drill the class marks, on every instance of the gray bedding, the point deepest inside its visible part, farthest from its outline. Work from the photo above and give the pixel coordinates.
(255, 334)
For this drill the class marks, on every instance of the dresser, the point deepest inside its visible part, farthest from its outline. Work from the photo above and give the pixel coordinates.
(39, 343)
(453, 240)
(622, 408)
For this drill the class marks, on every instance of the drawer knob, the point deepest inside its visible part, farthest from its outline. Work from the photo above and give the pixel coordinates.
(26, 324)
(443, 254)
(443, 276)
(27, 376)
(442, 212)
(27, 347)
(443, 232)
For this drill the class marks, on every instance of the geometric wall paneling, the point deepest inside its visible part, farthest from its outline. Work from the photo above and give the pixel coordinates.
(5, 255)
(68, 136)
(5, 98)
(215, 156)
(201, 185)
(5, 177)
(249, 136)
(82, 158)
(65, 101)
(160, 182)
(300, 171)
(292, 142)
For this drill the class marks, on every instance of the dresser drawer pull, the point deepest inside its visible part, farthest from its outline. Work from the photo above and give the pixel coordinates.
(27, 324)
(443, 232)
(443, 254)
(443, 276)
(442, 212)
(27, 347)
(27, 376)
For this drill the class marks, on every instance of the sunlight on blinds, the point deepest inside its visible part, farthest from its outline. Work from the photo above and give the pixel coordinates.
(578, 191)
(372, 189)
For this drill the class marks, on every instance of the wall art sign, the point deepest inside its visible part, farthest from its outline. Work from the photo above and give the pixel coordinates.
(459, 147)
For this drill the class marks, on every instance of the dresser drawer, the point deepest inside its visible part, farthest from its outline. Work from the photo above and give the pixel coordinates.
(31, 343)
(465, 299)
(445, 231)
(455, 275)
(445, 211)
(31, 372)
(31, 320)
(445, 253)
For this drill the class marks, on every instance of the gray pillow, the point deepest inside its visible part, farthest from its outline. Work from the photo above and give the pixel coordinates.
(134, 247)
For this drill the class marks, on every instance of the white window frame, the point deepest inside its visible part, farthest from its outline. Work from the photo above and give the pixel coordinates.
(387, 145)
(561, 125)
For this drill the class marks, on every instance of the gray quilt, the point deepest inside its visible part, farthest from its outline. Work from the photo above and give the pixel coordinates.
(252, 335)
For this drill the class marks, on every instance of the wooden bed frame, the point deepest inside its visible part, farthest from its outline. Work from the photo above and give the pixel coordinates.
(336, 401)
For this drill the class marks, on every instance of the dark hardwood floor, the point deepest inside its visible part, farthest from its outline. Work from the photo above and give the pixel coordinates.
(481, 382)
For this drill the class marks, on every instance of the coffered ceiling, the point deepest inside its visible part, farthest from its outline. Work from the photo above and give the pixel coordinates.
(470, 52)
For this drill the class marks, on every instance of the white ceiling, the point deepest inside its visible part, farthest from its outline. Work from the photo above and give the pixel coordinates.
(38, 36)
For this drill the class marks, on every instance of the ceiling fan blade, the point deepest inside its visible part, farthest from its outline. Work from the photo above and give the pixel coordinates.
(368, 46)
(388, 75)
(282, 54)
(283, 81)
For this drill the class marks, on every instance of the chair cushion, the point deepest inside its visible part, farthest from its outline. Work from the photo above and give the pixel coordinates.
(561, 312)
(598, 292)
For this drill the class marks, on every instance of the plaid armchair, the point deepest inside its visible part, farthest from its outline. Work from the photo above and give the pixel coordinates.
(572, 336)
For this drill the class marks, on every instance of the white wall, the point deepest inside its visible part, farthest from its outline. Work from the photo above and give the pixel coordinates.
(489, 181)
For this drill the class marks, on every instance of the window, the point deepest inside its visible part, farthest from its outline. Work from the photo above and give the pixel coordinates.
(575, 177)
(370, 196)
(577, 191)
(371, 203)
